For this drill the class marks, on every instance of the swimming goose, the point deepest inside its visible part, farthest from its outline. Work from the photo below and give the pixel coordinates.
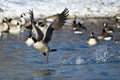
(117, 25)
(20, 19)
(3, 26)
(38, 22)
(117, 41)
(105, 36)
(42, 39)
(92, 40)
(117, 17)
(74, 24)
(28, 25)
(14, 29)
(80, 29)
(107, 28)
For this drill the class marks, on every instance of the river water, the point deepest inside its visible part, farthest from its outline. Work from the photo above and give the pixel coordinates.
(73, 60)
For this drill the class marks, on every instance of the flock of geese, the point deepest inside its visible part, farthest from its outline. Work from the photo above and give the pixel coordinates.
(106, 34)
(40, 33)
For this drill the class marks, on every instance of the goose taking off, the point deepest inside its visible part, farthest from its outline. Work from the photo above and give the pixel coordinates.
(40, 42)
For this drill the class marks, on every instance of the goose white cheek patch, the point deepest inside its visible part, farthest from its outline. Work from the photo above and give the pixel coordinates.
(29, 42)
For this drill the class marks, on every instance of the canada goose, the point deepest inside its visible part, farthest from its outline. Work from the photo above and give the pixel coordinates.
(3, 26)
(20, 19)
(92, 40)
(105, 36)
(42, 39)
(28, 25)
(107, 28)
(74, 24)
(117, 17)
(118, 25)
(80, 29)
(14, 29)
(117, 41)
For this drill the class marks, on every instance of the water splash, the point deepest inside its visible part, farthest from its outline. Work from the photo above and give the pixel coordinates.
(80, 60)
(102, 54)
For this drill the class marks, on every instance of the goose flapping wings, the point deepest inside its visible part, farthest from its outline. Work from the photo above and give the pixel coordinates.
(44, 36)
(55, 25)
(39, 33)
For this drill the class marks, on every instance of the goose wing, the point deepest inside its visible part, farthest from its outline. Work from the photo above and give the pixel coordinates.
(60, 19)
(56, 24)
(38, 32)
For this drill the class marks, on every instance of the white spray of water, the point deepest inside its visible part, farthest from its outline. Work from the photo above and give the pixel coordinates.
(79, 60)
(102, 54)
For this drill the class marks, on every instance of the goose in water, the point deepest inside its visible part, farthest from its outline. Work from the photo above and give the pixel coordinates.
(92, 40)
(20, 19)
(107, 28)
(117, 17)
(80, 29)
(28, 24)
(40, 42)
(3, 26)
(117, 41)
(14, 28)
(74, 24)
(105, 36)
(117, 25)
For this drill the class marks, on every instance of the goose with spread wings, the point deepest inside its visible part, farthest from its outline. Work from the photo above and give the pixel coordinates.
(40, 42)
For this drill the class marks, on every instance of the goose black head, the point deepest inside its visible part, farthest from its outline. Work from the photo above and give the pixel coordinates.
(10, 19)
(74, 22)
(92, 34)
(5, 20)
(21, 15)
(18, 23)
(24, 14)
(79, 24)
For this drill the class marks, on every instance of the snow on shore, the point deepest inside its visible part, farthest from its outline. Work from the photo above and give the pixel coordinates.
(51, 7)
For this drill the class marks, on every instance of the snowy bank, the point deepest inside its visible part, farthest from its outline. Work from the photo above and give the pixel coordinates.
(82, 8)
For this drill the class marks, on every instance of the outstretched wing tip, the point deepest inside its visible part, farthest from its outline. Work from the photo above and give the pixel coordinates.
(61, 19)
(31, 15)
